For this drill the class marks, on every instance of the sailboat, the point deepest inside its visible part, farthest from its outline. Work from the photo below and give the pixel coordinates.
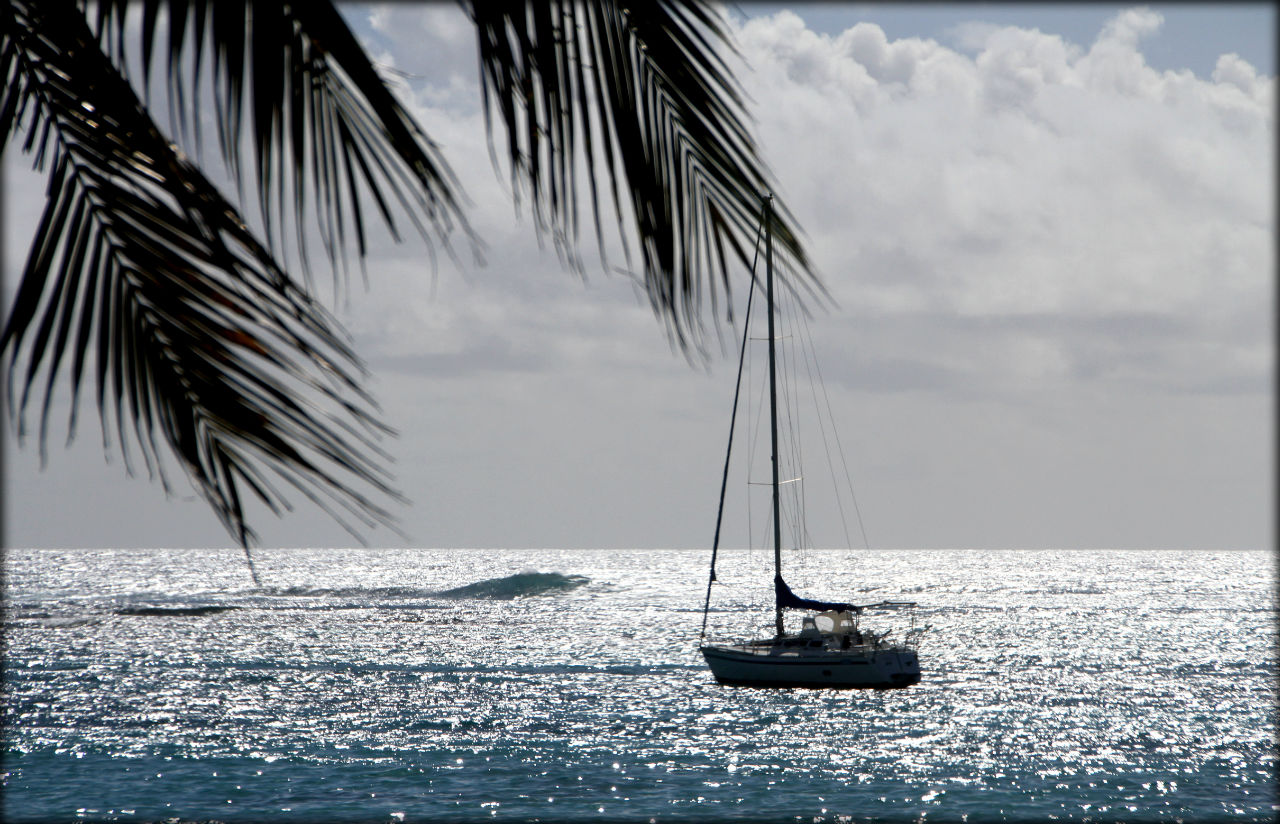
(832, 649)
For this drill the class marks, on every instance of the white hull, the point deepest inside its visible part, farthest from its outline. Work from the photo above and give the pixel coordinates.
(767, 665)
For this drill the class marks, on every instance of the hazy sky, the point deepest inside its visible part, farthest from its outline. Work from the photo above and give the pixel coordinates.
(1049, 230)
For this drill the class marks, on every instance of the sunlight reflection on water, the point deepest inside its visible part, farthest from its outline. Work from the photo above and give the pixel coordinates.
(1084, 685)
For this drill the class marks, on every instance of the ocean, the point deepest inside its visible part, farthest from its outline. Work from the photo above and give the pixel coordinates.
(566, 685)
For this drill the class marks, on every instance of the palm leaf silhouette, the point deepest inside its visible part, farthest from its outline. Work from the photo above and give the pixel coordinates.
(203, 346)
(202, 340)
(322, 125)
(638, 92)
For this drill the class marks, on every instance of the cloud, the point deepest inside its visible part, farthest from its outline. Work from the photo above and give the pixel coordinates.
(1129, 26)
(1231, 69)
(1032, 179)
(431, 47)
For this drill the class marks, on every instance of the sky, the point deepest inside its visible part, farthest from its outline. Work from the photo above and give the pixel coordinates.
(1049, 234)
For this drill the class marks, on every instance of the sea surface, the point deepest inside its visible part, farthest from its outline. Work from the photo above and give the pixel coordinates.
(521, 685)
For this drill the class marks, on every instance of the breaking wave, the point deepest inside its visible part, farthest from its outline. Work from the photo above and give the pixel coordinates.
(154, 610)
(520, 585)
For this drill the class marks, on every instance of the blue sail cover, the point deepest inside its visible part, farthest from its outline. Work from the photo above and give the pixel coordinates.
(786, 599)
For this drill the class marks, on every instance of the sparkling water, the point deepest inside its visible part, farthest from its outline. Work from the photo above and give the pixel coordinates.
(520, 685)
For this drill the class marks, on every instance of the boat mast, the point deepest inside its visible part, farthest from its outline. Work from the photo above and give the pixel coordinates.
(773, 405)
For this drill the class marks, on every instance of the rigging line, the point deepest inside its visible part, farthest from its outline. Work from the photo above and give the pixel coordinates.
(757, 422)
(835, 431)
(715, 546)
(848, 478)
(811, 365)
(757, 436)
(791, 403)
(753, 447)
(751, 460)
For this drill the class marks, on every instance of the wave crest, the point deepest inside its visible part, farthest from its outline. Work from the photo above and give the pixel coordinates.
(520, 585)
(207, 609)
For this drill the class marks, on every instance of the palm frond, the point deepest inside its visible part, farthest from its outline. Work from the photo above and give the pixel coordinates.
(640, 89)
(325, 130)
(202, 342)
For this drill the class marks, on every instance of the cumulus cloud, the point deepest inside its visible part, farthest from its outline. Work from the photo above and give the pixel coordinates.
(1129, 26)
(1032, 178)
